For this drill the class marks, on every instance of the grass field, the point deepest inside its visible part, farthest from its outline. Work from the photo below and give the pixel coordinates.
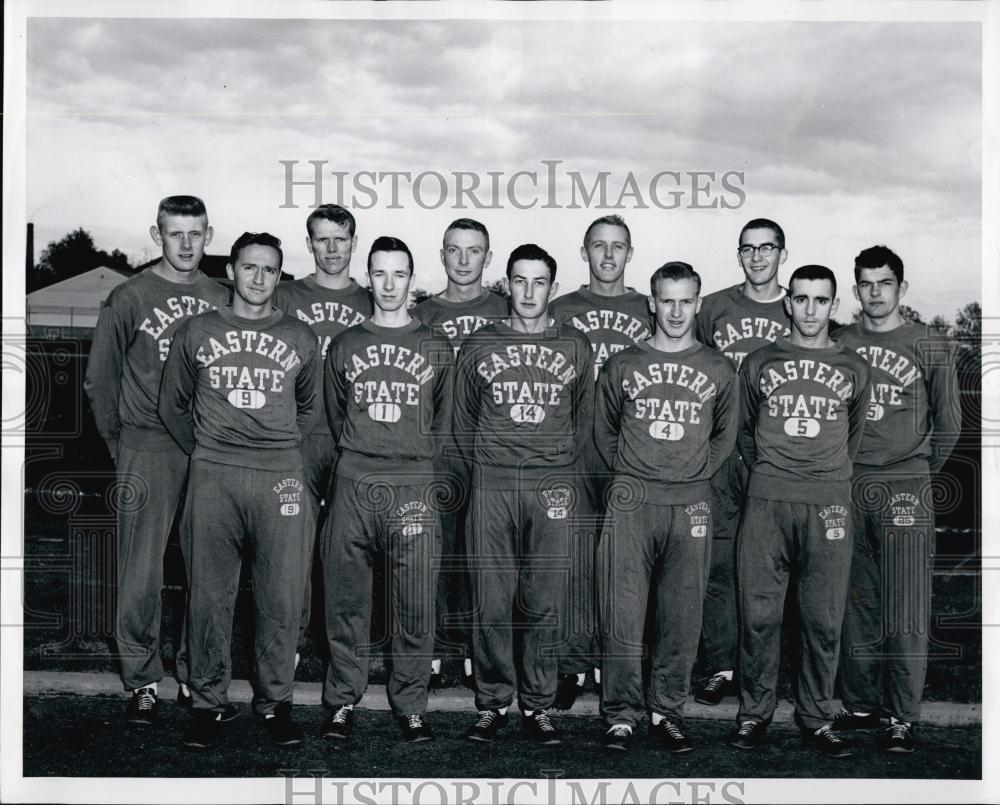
(78, 736)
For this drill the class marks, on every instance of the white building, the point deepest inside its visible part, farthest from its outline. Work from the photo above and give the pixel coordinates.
(71, 307)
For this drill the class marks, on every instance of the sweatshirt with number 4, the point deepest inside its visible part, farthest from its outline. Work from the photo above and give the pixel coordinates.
(667, 418)
(803, 416)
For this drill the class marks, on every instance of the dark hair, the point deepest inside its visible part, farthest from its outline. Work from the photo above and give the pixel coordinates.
(255, 239)
(531, 251)
(676, 271)
(610, 220)
(180, 205)
(387, 243)
(876, 257)
(766, 223)
(812, 272)
(469, 224)
(331, 212)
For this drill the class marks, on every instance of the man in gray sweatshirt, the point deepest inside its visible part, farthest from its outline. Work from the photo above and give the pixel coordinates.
(238, 392)
(133, 336)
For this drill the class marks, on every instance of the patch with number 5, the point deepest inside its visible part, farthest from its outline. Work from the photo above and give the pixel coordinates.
(802, 427)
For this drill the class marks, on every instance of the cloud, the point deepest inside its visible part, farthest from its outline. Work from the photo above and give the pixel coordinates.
(819, 116)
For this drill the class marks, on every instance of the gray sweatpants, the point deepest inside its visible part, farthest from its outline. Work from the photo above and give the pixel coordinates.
(267, 516)
(402, 523)
(719, 630)
(883, 660)
(520, 570)
(812, 543)
(151, 485)
(319, 454)
(666, 550)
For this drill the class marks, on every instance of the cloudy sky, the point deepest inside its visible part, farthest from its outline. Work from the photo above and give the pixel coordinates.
(848, 134)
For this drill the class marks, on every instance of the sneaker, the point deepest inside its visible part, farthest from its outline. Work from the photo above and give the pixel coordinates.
(715, 690)
(670, 735)
(414, 729)
(280, 726)
(898, 737)
(186, 700)
(142, 709)
(619, 738)
(827, 741)
(540, 727)
(340, 725)
(203, 729)
(749, 735)
(566, 692)
(847, 720)
(488, 725)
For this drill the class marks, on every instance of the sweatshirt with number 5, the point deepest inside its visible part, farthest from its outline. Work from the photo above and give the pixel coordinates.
(803, 415)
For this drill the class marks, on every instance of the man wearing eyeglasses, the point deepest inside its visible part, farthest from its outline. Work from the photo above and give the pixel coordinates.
(238, 390)
(736, 321)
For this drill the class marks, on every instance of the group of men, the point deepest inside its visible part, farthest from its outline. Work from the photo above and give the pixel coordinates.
(601, 483)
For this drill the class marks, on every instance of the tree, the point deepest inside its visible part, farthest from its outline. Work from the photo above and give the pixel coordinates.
(969, 328)
(499, 287)
(418, 295)
(71, 255)
(939, 324)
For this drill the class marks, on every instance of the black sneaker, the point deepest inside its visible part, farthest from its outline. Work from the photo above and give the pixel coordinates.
(540, 727)
(566, 692)
(229, 712)
(618, 738)
(670, 735)
(486, 728)
(415, 730)
(846, 720)
(715, 690)
(203, 729)
(827, 741)
(749, 735)
(340, 725)
(280, 726)
(898, 737)
(142, 708)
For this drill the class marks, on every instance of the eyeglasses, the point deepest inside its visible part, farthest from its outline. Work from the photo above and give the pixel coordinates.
(764, 250)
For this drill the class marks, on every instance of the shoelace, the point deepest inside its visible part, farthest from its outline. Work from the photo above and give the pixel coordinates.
(486, 719)
(341, 716)
(542, 720)
(145, 700)
(715, 683)
(747, 727)
(827, 732)
(414, 722)
(620, 731)
(674, 731)
(898, 730)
